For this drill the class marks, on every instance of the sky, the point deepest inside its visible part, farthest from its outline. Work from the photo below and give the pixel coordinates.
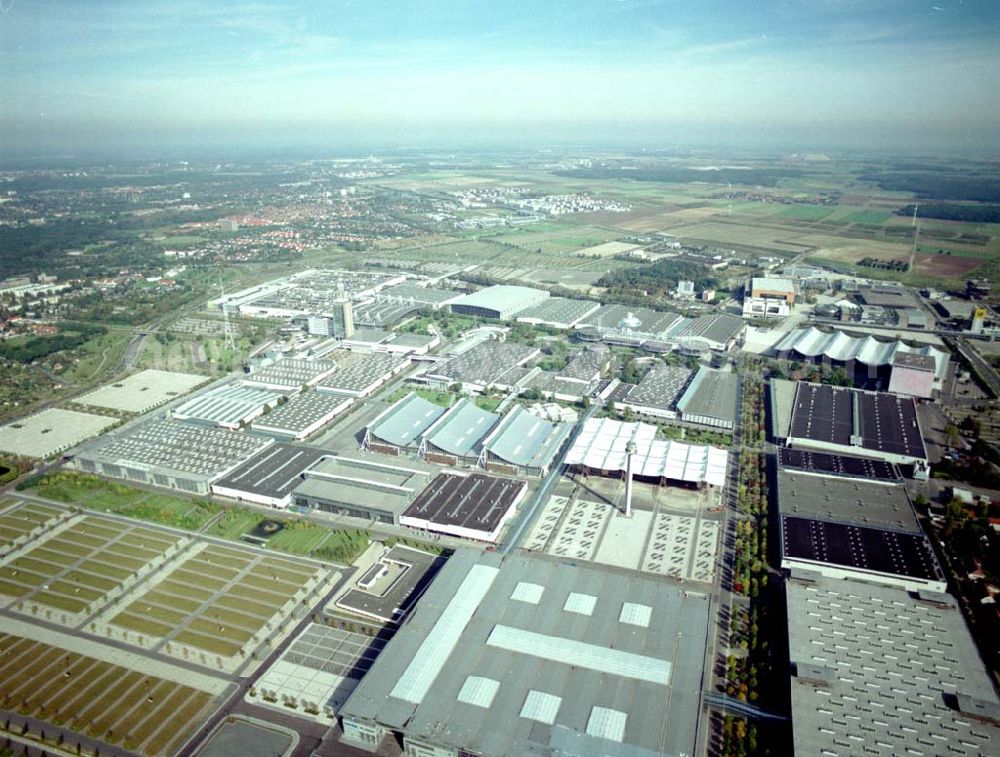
(914, 73)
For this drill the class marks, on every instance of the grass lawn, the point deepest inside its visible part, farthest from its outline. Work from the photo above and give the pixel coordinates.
(875, 217)
(343, 546)
(488, 403)
(300, 541)
(96, 493)
(234, 523)
(806, 212)
(444, 399)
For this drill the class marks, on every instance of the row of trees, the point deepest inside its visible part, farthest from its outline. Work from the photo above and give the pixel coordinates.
(749, 564)
(743, 669)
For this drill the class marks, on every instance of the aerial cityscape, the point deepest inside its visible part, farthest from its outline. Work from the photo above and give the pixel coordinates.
(427, 379)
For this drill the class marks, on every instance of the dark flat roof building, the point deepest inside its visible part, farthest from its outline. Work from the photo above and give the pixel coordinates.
(845, 526)
(269, 477)
(853, 421)
(876, 554)
(840, 465)
(472, 506)
(390, 587)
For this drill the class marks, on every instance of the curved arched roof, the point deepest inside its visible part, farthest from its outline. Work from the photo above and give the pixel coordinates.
(812, 342)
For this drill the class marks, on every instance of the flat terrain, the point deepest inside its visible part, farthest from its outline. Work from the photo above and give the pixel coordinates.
(823, 211)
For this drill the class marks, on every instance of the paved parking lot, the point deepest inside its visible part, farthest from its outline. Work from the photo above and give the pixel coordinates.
(679, 543)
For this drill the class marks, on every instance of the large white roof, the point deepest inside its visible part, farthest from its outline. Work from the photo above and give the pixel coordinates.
(602, 441)
(842, 347)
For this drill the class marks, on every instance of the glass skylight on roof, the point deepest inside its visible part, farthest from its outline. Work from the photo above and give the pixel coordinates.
(478, 691)
(581, 654)
(527, 592)
(541, 707)
(605, 723)
(433, 653)
(580, 603)
(635, 614)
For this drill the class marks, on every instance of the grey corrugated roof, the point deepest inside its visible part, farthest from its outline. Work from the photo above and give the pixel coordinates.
(715, 327)
(485, 363)
(228, 404)
(661, 386)
(406, 420)
(166, 446)
(676, 639)
(503, 297)
(559, 310)
(462, 428)
(891, 660)
(711, 393)
(301, 411)
(526, 440)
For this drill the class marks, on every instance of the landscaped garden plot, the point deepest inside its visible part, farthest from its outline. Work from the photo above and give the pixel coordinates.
(23, 519)
(216, 601)
(142, 713)
(80, 565)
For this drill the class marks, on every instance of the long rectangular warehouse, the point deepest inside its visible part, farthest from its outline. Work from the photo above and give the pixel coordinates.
(853, 421)
(501, 302)
(884, 671)
(227, 406)
(269, 477)
(170, 454)
(522, 656)
(473, 506)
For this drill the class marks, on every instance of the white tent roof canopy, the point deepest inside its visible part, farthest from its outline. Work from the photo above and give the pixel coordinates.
(602, 442)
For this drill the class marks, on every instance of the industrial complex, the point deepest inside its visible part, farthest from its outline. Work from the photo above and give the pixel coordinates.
(436, 518)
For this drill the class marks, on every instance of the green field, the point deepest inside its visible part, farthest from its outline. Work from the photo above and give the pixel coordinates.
(305, 540)
(234, 523)
(873, 217)
(488, 403)
(98, 355)
(444, 399)
(96, 493)
(343, 546)
(806, 212)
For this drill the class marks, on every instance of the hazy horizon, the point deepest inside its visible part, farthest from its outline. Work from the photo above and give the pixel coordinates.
(173, 74)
